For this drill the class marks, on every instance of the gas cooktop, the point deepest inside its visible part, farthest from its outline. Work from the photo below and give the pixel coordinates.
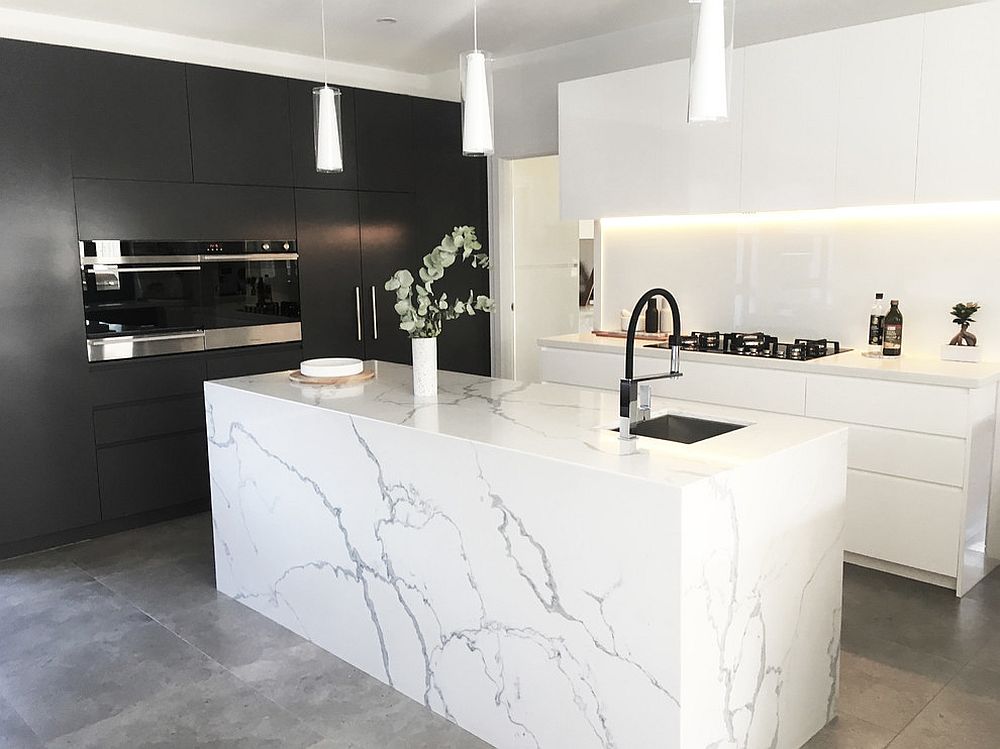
(755, 344)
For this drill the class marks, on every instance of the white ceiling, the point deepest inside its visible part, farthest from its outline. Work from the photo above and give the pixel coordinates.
(430, 33)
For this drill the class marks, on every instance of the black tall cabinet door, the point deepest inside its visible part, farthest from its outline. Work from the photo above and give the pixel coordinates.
(240, 131)
(451, 191)
(129, 117)
(330, 285)
(300, 102)
(47, 458)
(384, 140)
(387, 245)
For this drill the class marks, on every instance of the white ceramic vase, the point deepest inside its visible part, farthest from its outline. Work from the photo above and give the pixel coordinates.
(425, 367)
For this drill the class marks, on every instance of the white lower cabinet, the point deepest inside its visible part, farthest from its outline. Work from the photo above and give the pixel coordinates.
(910, 523)
(920, 457)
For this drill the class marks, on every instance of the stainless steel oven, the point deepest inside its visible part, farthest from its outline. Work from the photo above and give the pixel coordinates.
(153, 298)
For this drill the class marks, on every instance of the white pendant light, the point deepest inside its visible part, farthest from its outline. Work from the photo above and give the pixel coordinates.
(711, 48)
(476, 68)
(326, 116)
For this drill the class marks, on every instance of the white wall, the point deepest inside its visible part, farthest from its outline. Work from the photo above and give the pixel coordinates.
(812, 274)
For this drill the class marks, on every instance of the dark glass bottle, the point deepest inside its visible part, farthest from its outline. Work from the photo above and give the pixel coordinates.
(892, 335)
(652, 317)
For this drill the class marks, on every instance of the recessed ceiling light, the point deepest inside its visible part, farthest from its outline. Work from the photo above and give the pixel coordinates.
(386, 19)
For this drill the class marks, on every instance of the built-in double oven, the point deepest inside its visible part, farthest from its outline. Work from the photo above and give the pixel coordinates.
(153, 298)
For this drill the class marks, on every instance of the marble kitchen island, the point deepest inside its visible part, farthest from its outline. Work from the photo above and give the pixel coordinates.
(497, 556)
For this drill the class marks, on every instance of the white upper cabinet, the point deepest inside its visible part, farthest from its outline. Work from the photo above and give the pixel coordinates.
(959, 147)
(790, 124)
(879, 112)
(626, 148)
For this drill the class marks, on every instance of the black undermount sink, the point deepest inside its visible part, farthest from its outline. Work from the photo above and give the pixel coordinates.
(683, 429)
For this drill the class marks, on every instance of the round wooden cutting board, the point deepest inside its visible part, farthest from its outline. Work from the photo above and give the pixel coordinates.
(297, 376)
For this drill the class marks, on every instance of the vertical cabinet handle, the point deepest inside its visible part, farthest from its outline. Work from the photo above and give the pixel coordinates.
(357, 307)
(374, 316)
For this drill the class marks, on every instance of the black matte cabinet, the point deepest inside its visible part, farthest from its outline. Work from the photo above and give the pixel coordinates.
(113, 209)
(300, 104)
(385, 141)
(129, 117)
(240, 127)
(47, 454)
(387, 244)
(330, 282)
(450, 190)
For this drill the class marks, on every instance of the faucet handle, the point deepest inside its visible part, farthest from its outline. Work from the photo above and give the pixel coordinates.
(645, 399)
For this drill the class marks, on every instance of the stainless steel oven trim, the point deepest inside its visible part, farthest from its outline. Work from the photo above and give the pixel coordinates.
(133, 347)
(253, 335)
(187, 259)
(145, 269)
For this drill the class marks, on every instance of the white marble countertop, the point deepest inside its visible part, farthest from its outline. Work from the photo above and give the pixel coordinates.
(847, 364)
(561, 422)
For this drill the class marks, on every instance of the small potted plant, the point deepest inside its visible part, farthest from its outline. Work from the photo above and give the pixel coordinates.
(963, 345)
(423, 310)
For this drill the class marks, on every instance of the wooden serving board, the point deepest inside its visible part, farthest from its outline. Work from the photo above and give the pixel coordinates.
(364, 376)
(638, 336)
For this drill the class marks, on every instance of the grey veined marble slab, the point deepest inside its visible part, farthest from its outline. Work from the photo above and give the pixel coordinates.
(492, 556)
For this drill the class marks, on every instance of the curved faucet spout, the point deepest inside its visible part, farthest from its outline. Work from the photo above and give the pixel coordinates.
(634, 322)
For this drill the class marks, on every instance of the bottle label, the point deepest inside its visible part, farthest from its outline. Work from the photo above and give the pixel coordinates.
(893, 340)
(876, 325)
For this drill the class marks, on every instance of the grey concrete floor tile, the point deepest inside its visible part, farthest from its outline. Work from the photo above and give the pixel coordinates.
(14, 732)
(965, 715)
(848, 732)
(920, 616)
(76, 687)
(29, 578)
(166, 588)
(889, 688)
(186, 538)
(217, 712)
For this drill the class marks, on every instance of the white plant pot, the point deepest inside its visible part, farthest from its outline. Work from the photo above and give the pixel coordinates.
(425, 367)
(961, 353)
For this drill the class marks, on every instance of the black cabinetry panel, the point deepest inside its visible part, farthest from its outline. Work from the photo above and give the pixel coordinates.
(114, 383)
(450, 190)
(330, 272)
(251, 361)
(240, 131)
(152, 474)
(136, 421)
(47, 460)
(385, 141)
(387, 244)
(129, 118)
(300, 103)
(110, 209)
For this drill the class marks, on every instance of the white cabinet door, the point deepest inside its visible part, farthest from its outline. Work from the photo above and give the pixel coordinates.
(878, 112)
(790, 124)
(626, 149)
(959, 146)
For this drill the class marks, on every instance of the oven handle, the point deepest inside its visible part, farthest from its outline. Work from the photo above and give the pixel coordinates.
(357, 308)
(149, 269)
(154, 337)
(256, 257)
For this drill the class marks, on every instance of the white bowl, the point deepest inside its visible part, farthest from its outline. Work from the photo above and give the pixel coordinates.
(333, 367)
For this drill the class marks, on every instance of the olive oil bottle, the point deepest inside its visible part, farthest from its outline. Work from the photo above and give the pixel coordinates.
(892, 334)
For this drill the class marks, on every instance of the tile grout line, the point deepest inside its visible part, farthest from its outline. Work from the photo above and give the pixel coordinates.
(225, 668)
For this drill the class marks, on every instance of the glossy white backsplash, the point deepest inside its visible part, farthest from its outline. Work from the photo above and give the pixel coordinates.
(811, 277)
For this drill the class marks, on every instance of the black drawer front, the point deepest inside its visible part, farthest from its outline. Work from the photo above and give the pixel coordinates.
(244, 363)
(146, 379)
(153, 419)
(153, 474)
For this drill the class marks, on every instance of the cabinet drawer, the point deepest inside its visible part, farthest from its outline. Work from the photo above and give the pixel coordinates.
(244, 363)
(146, 379)
(894, 405)
(148, 475)
(910, 455)
(907, 522)
(152, 419)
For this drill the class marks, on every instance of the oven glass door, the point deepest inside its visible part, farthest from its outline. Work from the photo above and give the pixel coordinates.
(249, 292)
(139, 299)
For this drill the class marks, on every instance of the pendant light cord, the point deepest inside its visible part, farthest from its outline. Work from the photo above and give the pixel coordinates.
(475, 25)
(322, 21)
